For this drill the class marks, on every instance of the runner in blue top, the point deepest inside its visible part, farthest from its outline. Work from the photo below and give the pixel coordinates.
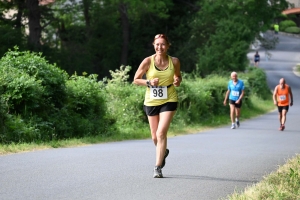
(235, 92)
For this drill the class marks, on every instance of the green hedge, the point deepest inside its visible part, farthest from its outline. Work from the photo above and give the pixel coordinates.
(294, 30)
(285, 24)
(39, 102)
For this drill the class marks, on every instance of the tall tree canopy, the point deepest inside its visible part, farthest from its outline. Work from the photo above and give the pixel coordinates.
(96, 36)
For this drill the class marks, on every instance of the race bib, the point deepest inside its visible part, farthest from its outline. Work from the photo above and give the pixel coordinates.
(235, 93)
(159, 92)
(282, 97)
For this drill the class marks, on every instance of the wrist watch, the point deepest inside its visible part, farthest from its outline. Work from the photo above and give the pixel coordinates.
(148, 83)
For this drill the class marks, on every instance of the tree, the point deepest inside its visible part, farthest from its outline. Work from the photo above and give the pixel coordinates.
(35, 29)
(229, 28)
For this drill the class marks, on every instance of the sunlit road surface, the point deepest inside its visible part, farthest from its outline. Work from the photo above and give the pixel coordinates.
(203, 166)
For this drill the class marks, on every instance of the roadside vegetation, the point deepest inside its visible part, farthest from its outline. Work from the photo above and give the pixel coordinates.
(43, 107)
(279, 185)
(298, 67)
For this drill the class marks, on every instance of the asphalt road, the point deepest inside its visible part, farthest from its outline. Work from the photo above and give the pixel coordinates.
(203, 166)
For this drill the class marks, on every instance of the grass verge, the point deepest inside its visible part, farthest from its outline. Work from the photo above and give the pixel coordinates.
(279, 185)
(261, 107)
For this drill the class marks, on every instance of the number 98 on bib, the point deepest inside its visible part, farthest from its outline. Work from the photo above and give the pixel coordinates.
(160, 92)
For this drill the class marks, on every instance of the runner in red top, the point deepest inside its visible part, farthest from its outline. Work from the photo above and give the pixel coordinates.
(283, 98)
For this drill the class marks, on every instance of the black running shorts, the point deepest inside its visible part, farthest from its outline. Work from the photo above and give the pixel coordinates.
(155, 110)
(237, 105)
(280, 108)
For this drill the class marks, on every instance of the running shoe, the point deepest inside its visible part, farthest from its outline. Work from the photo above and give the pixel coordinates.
(157, 172)
(238, 123)
(233, 126)
(283, 127)
(164, 160)
(280, 128)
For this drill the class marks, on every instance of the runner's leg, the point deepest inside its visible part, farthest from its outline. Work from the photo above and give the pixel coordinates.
(232, 110)
(165, 119)
(153, 122)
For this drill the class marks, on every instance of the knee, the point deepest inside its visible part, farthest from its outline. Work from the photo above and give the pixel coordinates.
(154, 139)
(161, 136)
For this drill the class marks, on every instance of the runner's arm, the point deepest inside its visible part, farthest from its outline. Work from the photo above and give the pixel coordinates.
(242, 95)
(177, 73)
(143, 68)
(226, 97)
(291, 95)
(274, 96)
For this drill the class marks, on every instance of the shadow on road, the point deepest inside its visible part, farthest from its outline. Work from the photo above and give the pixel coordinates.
(209, 178)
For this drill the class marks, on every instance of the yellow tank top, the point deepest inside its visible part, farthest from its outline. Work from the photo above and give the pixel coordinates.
(166, 78)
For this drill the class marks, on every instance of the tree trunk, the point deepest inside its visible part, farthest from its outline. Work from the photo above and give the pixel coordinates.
(35, 29)
(21, 7)
(125, 33)
(86, 8)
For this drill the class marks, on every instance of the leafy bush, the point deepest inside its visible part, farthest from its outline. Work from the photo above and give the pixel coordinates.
(51, 77)
(84, 112)
(195, 101)
(125, 100)
(20, 93)
(38, 102)
(285, 24)
(257, 80)
(292, 29)
(20, 96)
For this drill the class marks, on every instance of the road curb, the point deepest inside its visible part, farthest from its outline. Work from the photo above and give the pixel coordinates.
(290, 34)
(295, 71)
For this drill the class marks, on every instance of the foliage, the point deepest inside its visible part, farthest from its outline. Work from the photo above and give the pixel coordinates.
(292, 29)
(120, 76)
(51, 77)
(203, 98)
(84, 113)
(285, 24)
(257, 80)
(20, 93)
(93, 107)
(124, 100)
(88, 36)
(228, 30)
(281, 184)
(10, 38)
(38, 102)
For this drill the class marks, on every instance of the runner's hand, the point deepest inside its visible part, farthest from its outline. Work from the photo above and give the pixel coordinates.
(177, 81)
(154, 82)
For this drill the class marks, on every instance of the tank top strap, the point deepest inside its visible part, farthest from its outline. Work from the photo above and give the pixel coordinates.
(170, 62)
